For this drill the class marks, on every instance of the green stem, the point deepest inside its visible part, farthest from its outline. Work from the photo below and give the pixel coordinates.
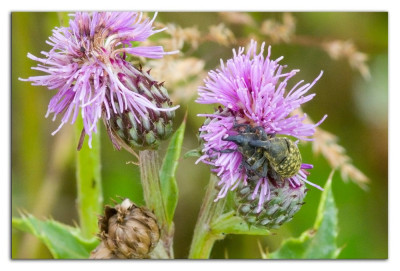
(89, 189)
(149, 175)
(204, 237)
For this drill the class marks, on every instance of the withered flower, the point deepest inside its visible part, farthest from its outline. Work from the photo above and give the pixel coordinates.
(126, 232)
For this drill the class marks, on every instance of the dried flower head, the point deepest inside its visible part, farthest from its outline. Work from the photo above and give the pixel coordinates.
(279, 32)
(237, 18)
(338, 49)
(221, 34)
(251, 90)
(179, 36)
(88, 66)
(127, 232)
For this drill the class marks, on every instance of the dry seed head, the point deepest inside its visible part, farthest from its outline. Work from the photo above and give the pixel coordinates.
(237, 18)
(128, 231)
(221, 34)
(101, 252)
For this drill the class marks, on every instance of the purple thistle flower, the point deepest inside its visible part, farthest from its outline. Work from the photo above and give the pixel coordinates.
(88, 66)
(251, 89)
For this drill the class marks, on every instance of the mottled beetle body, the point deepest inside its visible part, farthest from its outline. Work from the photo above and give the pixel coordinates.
(265, 155)
(283, 155)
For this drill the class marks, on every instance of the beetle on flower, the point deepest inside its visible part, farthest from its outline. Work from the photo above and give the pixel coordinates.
(250, 90)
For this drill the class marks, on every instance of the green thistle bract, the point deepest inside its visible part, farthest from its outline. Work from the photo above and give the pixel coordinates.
(283, 203)
(141, 130)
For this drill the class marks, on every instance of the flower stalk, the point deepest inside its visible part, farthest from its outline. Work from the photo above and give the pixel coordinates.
(89, 187)
(149, 173)
(204, 237)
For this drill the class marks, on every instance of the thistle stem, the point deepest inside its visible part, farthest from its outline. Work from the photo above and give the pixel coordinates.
(89, 188)
(149, 173)
(204, 237)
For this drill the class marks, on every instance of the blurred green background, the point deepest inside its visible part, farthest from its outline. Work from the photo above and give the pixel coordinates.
(43, 168)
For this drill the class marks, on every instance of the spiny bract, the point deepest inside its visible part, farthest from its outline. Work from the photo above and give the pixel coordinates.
(283, 203)
(136, 130)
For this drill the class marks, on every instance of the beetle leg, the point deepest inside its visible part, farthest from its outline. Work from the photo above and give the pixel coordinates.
(276, 178)
(265, 169)
(258, 163)
(250, 173)
(246, 165)
(224, 151)
(254, 178)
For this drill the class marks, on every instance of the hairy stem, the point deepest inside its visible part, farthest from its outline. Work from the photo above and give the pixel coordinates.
(149, 173)
(89, 189)
(204, 237)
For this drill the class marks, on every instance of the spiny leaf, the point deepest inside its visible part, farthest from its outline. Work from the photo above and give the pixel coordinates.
(169, 187)
(320, 241)
(63, 242)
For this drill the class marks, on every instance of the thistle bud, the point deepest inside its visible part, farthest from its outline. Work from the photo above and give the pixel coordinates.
(134, 128)
(127, 232)
(284, 201)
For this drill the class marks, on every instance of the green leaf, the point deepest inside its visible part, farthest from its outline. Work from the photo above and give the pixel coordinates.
(320, 241)
(64, 242)
(229, 223)
(169, 187)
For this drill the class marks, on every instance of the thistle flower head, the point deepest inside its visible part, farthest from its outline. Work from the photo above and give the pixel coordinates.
(251, 89)
(87, 64)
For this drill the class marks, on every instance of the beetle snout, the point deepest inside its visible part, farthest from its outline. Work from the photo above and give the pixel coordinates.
(238, 139)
